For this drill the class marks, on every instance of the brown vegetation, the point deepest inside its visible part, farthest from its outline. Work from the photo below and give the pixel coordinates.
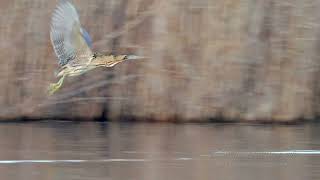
(230, 59)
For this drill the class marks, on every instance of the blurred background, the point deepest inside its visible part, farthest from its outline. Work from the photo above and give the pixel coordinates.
(211, 60)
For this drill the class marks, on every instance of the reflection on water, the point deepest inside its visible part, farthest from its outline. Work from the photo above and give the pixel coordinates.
(135, 151)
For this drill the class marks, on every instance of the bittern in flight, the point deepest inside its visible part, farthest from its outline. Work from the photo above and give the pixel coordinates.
(72, 45)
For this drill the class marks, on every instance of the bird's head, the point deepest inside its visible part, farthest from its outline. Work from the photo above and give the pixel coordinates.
(128, 57)
(120, 58)
(111, 60)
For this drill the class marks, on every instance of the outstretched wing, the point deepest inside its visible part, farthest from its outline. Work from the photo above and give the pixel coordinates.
(67, 36)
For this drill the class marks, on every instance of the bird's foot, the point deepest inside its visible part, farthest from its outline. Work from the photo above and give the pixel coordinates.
(53, 87)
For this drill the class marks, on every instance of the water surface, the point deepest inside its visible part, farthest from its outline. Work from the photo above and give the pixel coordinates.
(135, 151)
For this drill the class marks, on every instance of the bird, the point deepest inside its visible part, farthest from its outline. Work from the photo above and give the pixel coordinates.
(72, 45)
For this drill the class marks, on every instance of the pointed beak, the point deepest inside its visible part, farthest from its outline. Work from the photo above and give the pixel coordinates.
(132, 57)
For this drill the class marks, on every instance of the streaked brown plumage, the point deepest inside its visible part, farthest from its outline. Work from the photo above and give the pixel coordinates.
(72, 45)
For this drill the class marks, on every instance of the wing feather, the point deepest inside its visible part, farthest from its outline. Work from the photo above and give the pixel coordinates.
(66, 36)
